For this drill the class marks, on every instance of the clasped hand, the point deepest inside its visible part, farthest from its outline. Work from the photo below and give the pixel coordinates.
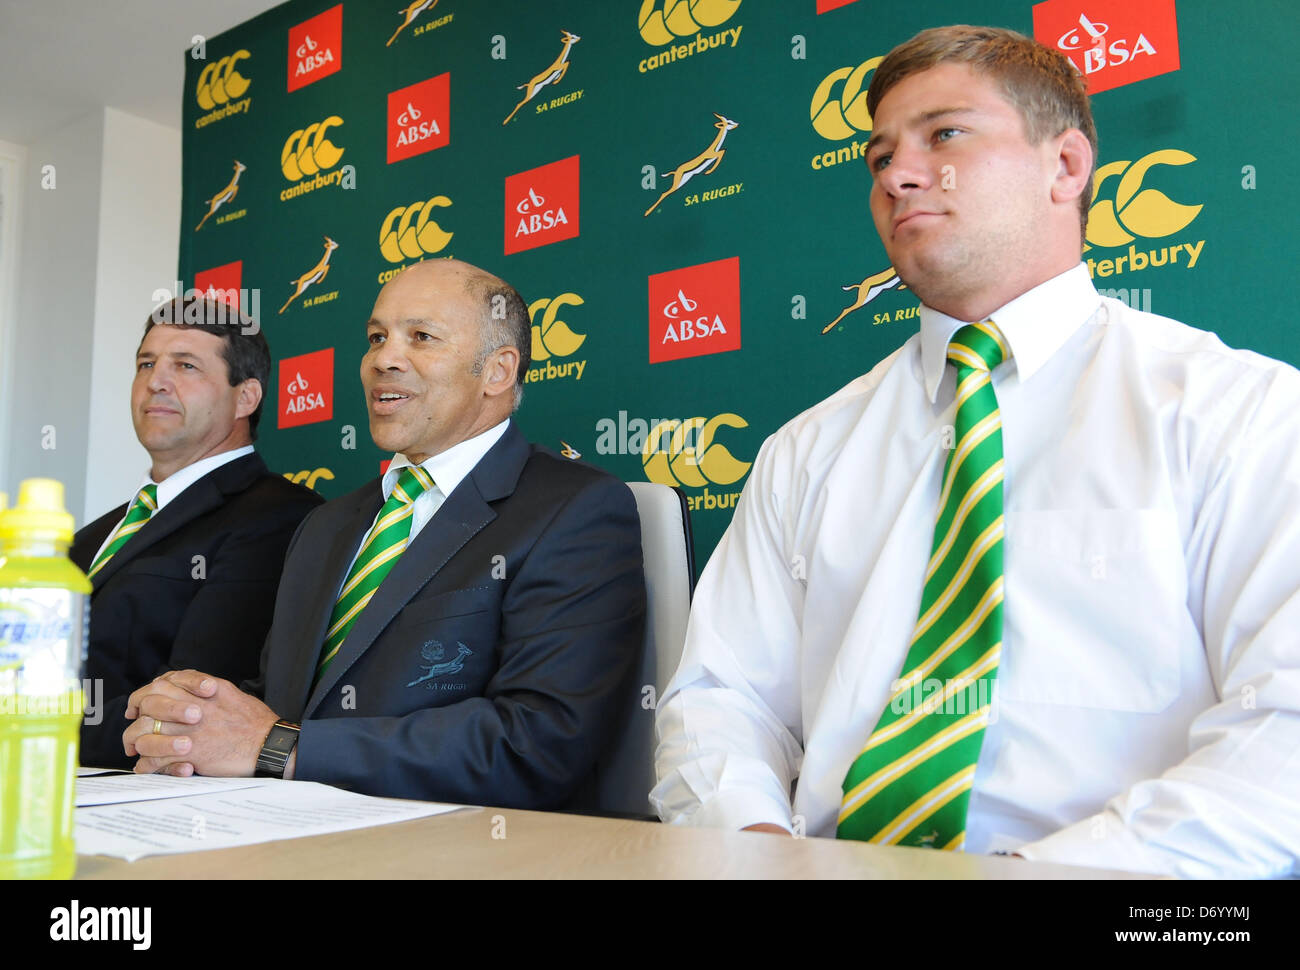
(205, 725)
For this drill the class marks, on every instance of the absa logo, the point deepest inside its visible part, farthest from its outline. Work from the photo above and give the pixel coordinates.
(306, 389)
(419, 118)
(695, 310)
(1111, 42)
(315, 48)
(542, 205)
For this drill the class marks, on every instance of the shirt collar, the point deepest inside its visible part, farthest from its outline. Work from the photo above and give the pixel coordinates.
(1035, 325)
(179, 481)
(448, 468)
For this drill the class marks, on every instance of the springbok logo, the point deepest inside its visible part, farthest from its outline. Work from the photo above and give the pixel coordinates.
(220, 81)
(308, 476)
(838, 115)
(684, 453)
(704, 163)
(411, 12)
(663, 21)
(225, 195)
(1133, 211)
(552, 75)
(308, 150)
(313, 275)
(552, 336)
(409, 232)
(868, 290)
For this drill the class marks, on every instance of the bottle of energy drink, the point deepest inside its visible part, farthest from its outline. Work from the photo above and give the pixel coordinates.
(43, 625)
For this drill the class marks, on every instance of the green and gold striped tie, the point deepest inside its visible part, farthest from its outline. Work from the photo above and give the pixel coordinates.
(144, 505)
(386, 541)
(911, 784)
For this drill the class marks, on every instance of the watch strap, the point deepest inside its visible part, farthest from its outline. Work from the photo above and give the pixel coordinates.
(276, 749)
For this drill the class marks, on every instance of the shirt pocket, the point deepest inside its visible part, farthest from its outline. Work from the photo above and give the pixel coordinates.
(1095, 599)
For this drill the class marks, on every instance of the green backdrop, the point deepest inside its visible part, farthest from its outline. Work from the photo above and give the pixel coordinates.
(1209, 134)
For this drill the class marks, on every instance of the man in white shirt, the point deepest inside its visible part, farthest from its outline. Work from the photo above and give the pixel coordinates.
(1137, 703)
(184, 574)
(462, 629)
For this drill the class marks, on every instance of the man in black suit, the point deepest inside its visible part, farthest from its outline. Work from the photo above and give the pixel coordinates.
(184, 575)
(489, 665)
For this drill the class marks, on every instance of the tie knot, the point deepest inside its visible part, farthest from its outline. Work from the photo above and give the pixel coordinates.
(411, 484)
(978, 345)
(148, 497)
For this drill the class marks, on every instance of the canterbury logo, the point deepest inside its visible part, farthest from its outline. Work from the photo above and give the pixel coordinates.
(839, 105)
(684, 453)
(553, 337)
(308, 150)
(219, 82)
(309, 477)
(1134, 211)
(663, 21)
(408, 232)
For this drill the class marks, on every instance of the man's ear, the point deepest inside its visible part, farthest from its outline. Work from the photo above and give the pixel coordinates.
(1074, 163)
(499, 371)
(250, 396)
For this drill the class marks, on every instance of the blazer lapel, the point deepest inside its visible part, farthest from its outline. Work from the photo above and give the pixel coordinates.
(334, 559)
(208, 493)
(462, 516)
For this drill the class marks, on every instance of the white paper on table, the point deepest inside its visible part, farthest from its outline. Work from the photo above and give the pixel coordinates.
(111, 789)
(221, 820)
(85, 772)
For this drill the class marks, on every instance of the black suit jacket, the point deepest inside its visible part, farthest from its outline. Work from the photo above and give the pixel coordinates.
(490, 665)
(155, 607)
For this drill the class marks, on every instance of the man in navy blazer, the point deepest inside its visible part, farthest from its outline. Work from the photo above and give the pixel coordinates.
(491, 663)
(194, 585)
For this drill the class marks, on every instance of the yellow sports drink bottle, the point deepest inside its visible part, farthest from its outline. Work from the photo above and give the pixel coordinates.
(43, 605)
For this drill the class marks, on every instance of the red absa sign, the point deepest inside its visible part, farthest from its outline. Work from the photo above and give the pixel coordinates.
(1111, 42)
(306, 389)
(315, 48)
(542, 205)
(695, 310)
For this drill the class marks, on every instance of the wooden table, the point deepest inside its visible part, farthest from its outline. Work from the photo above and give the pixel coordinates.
(510, 844)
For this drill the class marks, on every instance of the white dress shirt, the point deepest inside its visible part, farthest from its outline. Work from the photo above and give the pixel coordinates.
(447, 469)
(177, 482)
(1147, 714)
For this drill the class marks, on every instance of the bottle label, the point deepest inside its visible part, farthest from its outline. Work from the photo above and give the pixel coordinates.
(40, 640)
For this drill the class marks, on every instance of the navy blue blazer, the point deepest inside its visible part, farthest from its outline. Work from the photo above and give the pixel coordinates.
(195, 587)
(490, 666)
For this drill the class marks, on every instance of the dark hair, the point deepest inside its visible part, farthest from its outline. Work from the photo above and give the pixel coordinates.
(1041, 83)
(243, 348)
(504, 323)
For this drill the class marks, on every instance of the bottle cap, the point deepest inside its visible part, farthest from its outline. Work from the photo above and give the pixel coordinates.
(39, 512)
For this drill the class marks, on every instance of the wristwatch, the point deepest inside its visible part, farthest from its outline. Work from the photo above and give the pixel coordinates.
(276, 749)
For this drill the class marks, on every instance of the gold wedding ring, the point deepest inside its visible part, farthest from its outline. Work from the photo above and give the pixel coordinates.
(157, 726)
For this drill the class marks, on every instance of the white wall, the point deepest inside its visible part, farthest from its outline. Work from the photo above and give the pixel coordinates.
(89, 254)
(56, 256)
(13, 160)
(140, 205)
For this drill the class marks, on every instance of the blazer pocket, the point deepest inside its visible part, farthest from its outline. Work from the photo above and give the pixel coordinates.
(441, 606)
(1095, 601)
